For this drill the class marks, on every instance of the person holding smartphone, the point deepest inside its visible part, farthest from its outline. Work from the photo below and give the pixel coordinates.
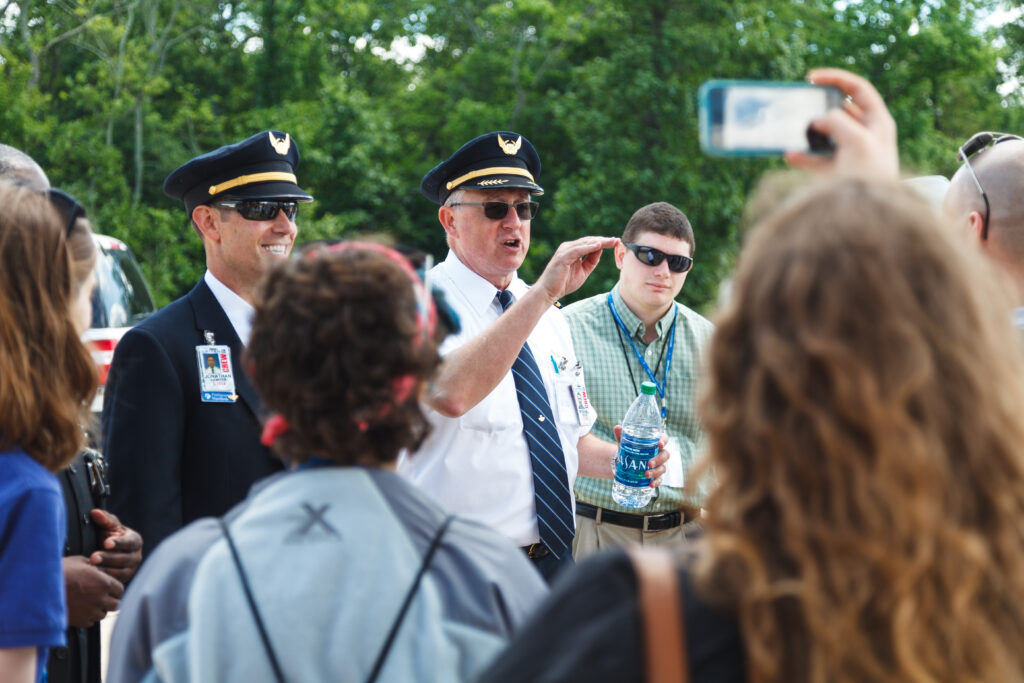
(863, 418)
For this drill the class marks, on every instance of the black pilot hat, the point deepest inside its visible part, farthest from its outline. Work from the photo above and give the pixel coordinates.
(490, 162)
(259, 167)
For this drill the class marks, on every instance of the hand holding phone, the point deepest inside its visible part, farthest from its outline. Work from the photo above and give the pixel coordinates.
(863, 130)
(764, 118)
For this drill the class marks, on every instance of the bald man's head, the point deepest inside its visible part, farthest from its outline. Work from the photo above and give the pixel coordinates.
(1000, 171)
(16, 165)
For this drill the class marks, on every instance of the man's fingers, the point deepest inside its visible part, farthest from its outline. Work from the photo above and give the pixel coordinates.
(115, 560)
(128, 542)
(585, 247)
(106, 521)
(656, 472)
(122, 576)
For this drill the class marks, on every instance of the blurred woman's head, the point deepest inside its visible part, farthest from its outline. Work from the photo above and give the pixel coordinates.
(83, 253)
(342, 342)
(46, 375)
(864, 415)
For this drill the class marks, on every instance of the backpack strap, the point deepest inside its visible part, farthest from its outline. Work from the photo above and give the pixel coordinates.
(427, 557)
(664, 631)
(278, 674)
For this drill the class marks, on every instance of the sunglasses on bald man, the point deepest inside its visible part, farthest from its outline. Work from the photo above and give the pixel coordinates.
(261, 209)
(974, 146)
(649, 256)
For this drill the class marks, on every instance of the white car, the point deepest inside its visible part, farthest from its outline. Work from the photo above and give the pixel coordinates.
(122, 299)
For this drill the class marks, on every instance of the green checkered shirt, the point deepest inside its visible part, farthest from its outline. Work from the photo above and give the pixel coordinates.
(608, 361)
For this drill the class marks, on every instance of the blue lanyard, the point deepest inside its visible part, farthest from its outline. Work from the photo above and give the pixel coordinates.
(662, 387)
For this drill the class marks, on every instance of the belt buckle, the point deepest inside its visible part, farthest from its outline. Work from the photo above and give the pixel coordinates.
(535, 551)
(647, 519)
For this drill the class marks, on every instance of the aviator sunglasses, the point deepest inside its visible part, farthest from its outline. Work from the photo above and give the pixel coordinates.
(496, 211)
(975, 145)
(262, 209)
(649, 256)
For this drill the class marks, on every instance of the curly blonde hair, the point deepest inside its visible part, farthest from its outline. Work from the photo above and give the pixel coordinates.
(865, 419)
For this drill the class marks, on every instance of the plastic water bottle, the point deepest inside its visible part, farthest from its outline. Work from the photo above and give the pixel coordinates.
(641, 430)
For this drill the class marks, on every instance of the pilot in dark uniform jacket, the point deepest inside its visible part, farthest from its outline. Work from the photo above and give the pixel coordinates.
(182, 442)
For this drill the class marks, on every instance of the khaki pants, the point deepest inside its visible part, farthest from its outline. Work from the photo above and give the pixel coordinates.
(592, 537)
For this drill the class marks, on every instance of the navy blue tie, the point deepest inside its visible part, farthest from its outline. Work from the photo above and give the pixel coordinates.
(550, 480)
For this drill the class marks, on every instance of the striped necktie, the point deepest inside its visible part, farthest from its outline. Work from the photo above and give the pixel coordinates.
(550, 480)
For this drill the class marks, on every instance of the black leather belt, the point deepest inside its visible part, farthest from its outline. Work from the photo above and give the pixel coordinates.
(535, 551)
(669, 520)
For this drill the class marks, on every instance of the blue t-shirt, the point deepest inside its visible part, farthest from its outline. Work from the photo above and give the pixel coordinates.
(32, 529)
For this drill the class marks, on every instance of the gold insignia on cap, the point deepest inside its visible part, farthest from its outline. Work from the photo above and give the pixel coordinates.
(510, 148)
(280, 145)
(494, 181)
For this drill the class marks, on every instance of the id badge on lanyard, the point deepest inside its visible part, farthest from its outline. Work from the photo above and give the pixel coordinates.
(216, 376)
(572, 402)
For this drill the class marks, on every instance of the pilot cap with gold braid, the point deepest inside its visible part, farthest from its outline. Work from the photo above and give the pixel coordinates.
(490, 162)
(259, 167)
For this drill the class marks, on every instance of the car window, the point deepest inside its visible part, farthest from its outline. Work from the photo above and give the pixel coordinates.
(122, 298)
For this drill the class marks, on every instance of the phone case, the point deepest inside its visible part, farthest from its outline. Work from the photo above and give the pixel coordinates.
(709, 107)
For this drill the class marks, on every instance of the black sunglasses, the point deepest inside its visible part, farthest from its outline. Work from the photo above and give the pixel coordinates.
(496, 211)
(975, 145)
(68, 206)
(262, 209)
(649, 256)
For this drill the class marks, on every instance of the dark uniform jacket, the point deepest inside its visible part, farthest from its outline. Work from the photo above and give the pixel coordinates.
(84, 486)
(172, 457)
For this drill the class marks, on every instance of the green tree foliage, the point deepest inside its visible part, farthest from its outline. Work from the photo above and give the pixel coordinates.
(111, 95)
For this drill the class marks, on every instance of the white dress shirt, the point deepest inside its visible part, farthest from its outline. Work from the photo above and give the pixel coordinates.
(238, 310)
(478, 465)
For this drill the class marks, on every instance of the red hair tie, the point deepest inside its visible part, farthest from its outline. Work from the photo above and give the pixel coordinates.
(275, 427)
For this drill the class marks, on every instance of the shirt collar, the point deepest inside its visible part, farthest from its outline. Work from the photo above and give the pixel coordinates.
(633, 324)
(479, 293)
(1018, 317)
(238, 310)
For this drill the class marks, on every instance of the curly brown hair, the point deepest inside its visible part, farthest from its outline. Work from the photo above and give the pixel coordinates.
(339, 351)
(864, 417)
(47, 376)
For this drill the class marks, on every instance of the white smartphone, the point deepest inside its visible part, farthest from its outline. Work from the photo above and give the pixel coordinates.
(763, 118)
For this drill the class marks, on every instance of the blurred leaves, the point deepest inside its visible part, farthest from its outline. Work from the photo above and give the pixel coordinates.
(110, 96)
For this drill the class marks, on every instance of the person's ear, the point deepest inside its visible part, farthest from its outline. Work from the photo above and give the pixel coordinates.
(620, 254)
(446, 215)
(975, 227)
(207, 221)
